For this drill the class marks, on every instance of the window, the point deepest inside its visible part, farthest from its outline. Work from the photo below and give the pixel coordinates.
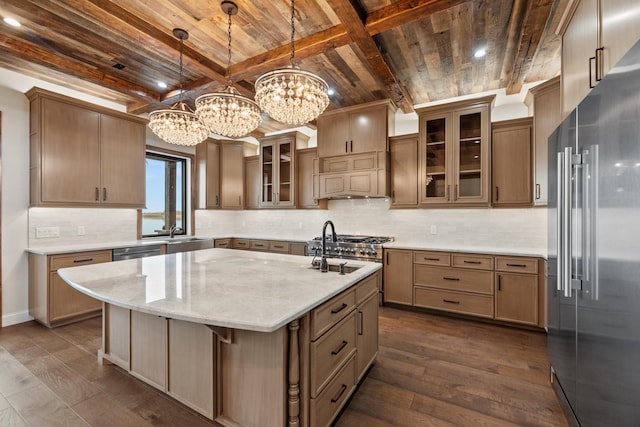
(166, 199)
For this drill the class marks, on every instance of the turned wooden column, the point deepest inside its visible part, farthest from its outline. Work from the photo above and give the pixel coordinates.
(294, 375)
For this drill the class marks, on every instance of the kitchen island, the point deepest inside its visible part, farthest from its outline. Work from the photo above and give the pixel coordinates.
(245, 338)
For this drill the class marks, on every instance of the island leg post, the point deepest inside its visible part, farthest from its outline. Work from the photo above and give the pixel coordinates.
(294, 375)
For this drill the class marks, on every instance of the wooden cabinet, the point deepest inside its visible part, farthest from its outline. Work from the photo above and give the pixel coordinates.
(278, 169)
(149, 348)
(511, 163)
(366, 333)
(356, 129)
(52, 301)
(308, 180)
(403, 160)
(517, 290)
(398, 276)
(222, 243)
(595, 36)
(84, 155)
(220, 173)
(252, 182)
(454, 153)
(364, 175)
(544, 102)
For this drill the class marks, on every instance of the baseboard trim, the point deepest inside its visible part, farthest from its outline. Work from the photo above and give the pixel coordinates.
(15, 318)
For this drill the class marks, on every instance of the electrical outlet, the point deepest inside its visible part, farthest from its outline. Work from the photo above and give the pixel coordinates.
(81, 231)
(433, 229)
(44, 232)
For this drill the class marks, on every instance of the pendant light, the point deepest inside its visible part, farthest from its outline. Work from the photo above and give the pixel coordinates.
(178, 125)
(291, 95)
(228, 113)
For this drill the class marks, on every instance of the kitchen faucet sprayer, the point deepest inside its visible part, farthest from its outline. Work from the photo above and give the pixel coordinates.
(324, 267)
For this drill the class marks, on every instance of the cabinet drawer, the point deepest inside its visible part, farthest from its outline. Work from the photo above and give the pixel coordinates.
(330, 351)
(458, 302)
(74, 260)
(350, 163)
(456, 279)
(432, 258)
(367, 287)
(329, 313)
(326, 406)
(479, 262)
(222, 243)
(278, 246)
(517, 264)
(259, 245)
(241, 243)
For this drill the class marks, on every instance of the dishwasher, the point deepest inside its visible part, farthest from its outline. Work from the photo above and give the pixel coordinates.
(133, 252)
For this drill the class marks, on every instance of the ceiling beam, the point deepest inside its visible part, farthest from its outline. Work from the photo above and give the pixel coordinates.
(351, 18)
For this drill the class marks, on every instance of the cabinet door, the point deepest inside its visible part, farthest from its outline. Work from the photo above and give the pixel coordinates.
(70, 154)
(435, 164)
(511, 165)
(398, 276)
(268, 173)
(619, 29)
(368, 130)
(122, 155)
(546, 118)
(307, 180)
(208, 173)
(578, 45)
(252, 182)
(285, 180)
(333, 135)
(471, 156)
(367, 330)
(517, 298)
(66, 302)
(232, 176)
(404, 170)
(149, 348)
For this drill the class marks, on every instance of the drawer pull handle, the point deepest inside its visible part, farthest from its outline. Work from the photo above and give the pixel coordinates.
(78, 261)
(455, 279)
(340, 393)
(516, 265)
(339, 349)
(361, 323)
(449, 301)
(278, 246)
(338, 310)
(431, 259)
(471, 262)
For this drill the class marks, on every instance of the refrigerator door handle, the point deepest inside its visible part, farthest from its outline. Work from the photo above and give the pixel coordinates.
(590, 218)
(559, 222)
(566, 221)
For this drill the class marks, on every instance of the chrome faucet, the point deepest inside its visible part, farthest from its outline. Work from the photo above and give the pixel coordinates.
(172, 230)
(324, 267)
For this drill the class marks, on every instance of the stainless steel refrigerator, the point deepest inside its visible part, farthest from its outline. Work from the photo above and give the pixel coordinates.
(594, 252)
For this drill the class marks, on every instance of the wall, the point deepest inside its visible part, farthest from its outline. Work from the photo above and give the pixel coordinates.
(465, 228)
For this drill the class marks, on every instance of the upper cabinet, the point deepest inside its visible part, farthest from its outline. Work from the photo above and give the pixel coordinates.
(220, 173)
(454, 153)
(544, 104)
(84, 155)
(278, 169)
(252, 182)
(595, 35)
(403, 155)
(308, 180)
(511, 162)
(357, 129)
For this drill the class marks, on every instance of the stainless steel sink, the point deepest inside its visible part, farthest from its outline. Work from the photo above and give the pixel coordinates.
(188, 244)
(336, 267)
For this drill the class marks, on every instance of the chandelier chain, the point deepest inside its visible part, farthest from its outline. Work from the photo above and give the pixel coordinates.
(293, 31)
(180, 82)
(229, 51)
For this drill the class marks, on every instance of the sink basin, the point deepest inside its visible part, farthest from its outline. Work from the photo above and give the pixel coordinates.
(336, 268)
(188, 244)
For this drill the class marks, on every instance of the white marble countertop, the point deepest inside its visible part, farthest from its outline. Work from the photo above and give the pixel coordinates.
(256, 291)
(493, 250)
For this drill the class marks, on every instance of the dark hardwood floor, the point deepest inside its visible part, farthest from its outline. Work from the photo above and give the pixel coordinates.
(431, 371)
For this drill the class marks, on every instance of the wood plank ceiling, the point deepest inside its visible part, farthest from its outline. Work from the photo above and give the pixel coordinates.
(412, 51)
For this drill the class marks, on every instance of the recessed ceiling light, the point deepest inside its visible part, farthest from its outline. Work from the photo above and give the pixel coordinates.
(12, 22)
(163, 85)
(480, 53)
(330, 92)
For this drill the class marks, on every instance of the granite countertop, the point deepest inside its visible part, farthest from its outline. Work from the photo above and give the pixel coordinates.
(493, 249)
(255, 291)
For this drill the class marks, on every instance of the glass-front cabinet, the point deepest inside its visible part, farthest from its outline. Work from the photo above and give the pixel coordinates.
(277, 169)
(454, 153)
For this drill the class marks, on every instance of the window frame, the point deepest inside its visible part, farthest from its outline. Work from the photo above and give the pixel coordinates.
(189, 188)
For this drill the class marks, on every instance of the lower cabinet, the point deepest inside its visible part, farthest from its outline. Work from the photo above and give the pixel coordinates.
(52, 301)
(505, 288)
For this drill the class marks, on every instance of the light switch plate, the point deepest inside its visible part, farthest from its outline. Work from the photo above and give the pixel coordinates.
(44, 232)
(433, 229)
(81, 231)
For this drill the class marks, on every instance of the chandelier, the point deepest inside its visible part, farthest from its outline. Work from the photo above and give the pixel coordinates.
(178, 125)
(291, 95)
(228, 113)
